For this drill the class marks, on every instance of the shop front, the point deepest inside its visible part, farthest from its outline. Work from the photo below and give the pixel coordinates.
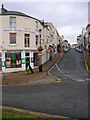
(13, 61)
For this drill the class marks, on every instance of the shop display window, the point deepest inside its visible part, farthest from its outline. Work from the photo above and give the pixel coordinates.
(13, 60)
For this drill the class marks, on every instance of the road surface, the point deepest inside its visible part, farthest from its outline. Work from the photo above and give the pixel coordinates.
(66, 98)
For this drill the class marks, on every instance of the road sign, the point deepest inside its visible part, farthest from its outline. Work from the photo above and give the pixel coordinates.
(40, 54)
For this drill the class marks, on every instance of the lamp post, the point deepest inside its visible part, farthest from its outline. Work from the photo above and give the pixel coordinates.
(40, 49)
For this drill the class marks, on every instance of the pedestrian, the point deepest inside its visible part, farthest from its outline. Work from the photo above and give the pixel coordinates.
(27, 69)
(31, 69)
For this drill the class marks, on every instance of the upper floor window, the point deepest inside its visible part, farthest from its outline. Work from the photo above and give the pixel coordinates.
(12, 21)
(36, 25)
(12, 38)
(47, 39)
(27, 40)
(36, 39)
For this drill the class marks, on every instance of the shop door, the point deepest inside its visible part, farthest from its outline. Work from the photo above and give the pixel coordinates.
(36, 59)
(27, 61)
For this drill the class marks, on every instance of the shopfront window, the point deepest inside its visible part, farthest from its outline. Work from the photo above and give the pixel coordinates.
(13, 60)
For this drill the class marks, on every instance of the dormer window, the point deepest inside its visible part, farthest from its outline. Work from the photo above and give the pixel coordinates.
(12, 21)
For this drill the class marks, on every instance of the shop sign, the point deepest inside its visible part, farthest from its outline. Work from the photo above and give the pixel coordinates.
(17, 30)
(14, 51)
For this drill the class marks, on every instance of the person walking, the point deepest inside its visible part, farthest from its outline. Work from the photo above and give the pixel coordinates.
(28, 67)
(31, 69)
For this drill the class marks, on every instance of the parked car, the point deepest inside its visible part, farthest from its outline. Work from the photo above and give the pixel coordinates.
(80, 51)
(77, 49)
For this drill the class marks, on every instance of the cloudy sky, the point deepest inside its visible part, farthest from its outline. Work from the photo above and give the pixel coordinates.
(68, 17)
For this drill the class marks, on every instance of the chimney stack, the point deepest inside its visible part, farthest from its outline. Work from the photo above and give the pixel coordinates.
(42, 21)
(2, 6)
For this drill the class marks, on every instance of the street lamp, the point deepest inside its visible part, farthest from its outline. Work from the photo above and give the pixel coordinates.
(40, 49)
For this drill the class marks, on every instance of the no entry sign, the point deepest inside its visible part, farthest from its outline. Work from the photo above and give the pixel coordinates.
(40, 54)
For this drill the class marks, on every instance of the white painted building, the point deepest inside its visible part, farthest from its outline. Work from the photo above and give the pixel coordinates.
(20, 40)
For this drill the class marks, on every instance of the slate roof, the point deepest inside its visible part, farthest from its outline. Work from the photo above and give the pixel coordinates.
(6, 12)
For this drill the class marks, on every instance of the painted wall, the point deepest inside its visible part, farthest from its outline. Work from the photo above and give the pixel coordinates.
(24, 26)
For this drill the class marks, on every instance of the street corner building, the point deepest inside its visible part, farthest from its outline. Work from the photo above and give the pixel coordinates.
(20, 40)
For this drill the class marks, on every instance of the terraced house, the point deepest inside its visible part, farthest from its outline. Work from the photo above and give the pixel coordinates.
(20, 40)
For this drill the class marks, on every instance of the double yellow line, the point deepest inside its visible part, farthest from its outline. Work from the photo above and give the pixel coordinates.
(52, 68)
(86, 64)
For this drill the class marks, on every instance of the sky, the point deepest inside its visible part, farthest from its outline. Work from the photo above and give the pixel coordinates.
(67, 17)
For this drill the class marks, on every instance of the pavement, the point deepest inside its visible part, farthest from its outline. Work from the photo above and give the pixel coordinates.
(31, 78)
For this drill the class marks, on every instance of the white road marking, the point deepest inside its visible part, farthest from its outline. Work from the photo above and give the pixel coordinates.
(80, 80)
(88, 79)
(64, 73)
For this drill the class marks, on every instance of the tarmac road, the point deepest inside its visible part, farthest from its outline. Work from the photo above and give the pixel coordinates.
(67, 98)
(71, 67)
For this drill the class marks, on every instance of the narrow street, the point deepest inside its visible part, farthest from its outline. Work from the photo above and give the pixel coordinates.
(67, 98)
(71, 67)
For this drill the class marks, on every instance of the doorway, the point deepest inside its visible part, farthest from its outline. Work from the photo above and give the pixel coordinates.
(36, 59)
